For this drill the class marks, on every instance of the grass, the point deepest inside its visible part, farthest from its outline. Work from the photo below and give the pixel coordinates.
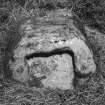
(12, 11)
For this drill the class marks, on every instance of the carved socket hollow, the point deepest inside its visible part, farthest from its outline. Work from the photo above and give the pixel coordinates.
(56, 66)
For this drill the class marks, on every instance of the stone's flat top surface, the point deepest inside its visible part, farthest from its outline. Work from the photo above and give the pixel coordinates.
(56, 25)
(52, 37)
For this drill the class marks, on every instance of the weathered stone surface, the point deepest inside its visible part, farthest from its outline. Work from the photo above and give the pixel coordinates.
(54, 31)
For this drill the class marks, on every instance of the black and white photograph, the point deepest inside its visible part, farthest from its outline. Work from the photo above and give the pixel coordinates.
(52, 52)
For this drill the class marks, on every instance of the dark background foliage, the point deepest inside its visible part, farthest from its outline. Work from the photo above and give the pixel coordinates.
(91, 13)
